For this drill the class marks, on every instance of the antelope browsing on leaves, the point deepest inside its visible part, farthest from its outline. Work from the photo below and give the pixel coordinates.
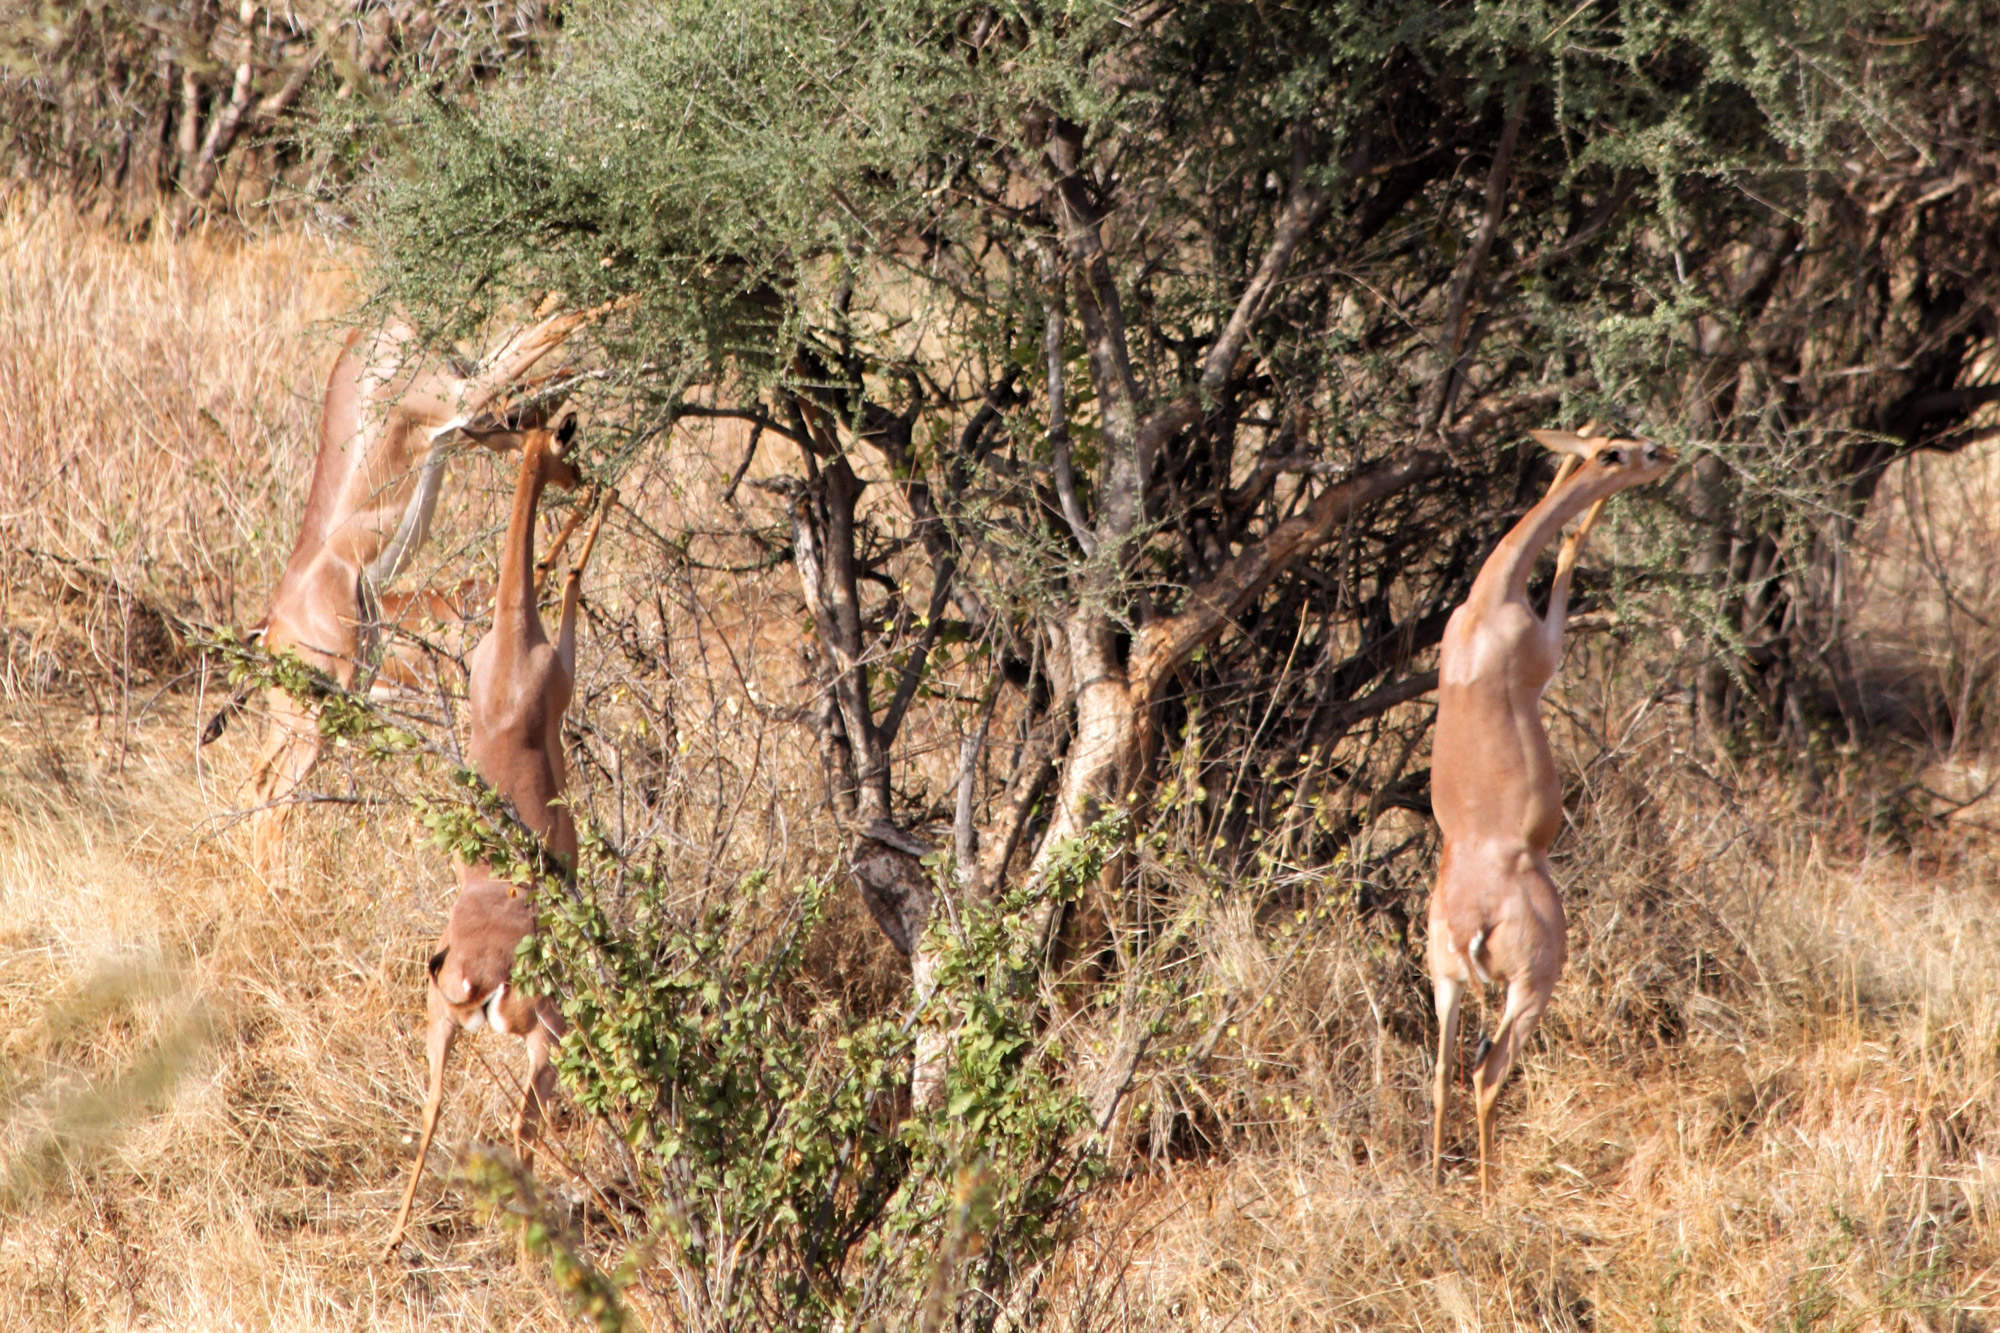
(385, 428)
(518, 691)
(1496, 916)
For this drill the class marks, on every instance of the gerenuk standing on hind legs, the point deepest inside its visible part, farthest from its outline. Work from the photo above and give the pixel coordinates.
(518, 689)
(1496, 915)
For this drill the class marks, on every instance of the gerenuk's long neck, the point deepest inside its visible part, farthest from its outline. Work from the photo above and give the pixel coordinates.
(514, 599)
(1505, 574)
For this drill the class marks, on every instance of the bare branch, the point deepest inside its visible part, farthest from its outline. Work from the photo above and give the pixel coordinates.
(1165, 644)
(749, 452)
(1305, 204)
(277, 103)
(1451, 344)
(1470, 427)
(965, 835)
(1034, 770)
(1052, 340)
(1079, 220)
(913, 670)
(1303, 208)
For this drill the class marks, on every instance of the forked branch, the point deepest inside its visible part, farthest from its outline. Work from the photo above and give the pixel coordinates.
(1165, 644)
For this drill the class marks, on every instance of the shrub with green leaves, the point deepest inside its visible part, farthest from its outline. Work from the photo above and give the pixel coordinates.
(777, 1174)
(769, 1168)
(1184, 354)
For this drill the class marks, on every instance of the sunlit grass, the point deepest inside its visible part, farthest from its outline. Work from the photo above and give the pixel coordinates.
(1768, 1094)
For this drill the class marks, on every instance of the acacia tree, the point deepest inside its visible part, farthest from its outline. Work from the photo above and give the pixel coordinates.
(1851, 325)
(1140, 376)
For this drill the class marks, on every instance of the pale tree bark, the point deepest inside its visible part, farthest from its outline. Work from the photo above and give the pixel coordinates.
(1111, 718)
(201, 166)
(885, 860)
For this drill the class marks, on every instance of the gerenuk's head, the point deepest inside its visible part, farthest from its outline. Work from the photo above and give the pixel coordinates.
(1606, 463)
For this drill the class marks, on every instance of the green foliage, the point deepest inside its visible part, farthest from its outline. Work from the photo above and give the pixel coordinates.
(775, 1170)
(731, 160)
(509, 1194)
(781, 1178)
(792, 191)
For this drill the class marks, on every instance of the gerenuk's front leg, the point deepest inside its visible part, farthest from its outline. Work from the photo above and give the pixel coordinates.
(1572, 549)
(437, 1047)
(573, 588)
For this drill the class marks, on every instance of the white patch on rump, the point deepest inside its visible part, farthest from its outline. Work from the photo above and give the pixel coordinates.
(1472, 956)
(493, 1014)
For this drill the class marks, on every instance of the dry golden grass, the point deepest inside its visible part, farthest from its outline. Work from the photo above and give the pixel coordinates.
(1823, 1156)
(208, 1081)
(1766, 1096)
(160, 404)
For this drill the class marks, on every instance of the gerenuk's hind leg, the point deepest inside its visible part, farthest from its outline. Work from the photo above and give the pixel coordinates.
(1526, 999)
(540, 1093)
(537, 1099)
(1450, 994)
(437, 1049)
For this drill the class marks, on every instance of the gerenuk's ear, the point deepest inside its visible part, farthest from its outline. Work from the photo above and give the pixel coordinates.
(1564, 442)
